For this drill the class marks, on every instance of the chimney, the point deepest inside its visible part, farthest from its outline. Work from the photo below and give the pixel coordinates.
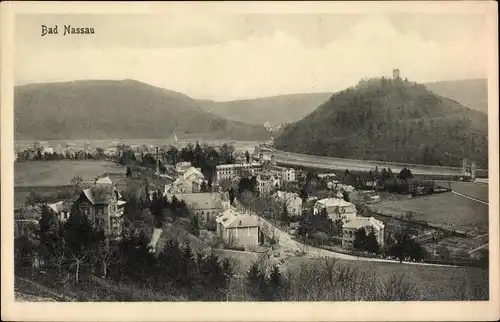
(157, 161)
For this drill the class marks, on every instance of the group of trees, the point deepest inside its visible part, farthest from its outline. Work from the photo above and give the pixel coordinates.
(402, 242)
(76, 251)
(319, 229)
(366, 240)
(266, 287)
(202, 156)
(40, 155)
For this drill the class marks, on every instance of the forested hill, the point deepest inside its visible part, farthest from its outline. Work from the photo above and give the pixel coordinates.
(95, 109)
(393, 120)
(276, 110)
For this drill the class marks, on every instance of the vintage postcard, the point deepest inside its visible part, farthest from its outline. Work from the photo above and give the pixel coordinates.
(249, 161)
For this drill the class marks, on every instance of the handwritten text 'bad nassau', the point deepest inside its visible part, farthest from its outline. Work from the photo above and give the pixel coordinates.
(67, 30)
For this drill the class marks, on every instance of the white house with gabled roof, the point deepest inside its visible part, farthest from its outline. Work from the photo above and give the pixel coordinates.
(350, 227)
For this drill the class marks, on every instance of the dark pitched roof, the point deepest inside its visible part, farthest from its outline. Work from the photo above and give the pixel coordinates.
(100, 194)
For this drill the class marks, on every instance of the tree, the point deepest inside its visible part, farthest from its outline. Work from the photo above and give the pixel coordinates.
(255, 282)
(106, 254)
(405, 174)
(371, 243)
(247, 156)
(203, 187)
(77, 181)
(80, 238)
(345, 196)
(35, 200)
(129, 172)
(49, 231)
(303, 194)
(360, 239)
(319, 238)
(275, 285)
(195, 225)
(285, 218)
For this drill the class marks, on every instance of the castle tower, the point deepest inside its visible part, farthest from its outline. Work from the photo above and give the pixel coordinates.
(395, 73)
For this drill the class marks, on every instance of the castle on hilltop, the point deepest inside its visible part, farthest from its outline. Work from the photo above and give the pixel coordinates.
(395, 73)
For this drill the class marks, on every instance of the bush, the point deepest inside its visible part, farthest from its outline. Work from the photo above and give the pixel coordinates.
(319, 238)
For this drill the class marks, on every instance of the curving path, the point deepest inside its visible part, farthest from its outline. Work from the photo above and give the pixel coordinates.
(286, 241)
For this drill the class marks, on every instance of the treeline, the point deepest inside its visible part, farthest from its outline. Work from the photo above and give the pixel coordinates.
(40, 155)
(393, 120)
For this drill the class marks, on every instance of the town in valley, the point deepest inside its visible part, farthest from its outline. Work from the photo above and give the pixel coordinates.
(129, 191)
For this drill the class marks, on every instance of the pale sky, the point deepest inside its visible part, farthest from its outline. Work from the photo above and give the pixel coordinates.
(224, 56)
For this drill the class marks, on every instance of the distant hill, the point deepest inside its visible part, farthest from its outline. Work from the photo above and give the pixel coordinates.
(276, 110)
(96, 109)
(291, 108)
(472, 93)
(393, 120)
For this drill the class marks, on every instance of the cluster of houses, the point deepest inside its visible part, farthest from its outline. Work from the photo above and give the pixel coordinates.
(269, 175)
(101, 203)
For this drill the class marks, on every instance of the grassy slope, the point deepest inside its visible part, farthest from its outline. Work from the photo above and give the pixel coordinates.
(58, 173)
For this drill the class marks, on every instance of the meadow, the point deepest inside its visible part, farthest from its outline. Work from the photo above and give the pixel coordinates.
(446, 210)
(471, 189)
(60, 172)
(428, 283)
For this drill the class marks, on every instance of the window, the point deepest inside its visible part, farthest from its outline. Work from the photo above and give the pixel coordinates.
(350, 234)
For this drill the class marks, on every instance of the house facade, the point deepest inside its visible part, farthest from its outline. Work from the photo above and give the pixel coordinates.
(239, 229)
(103, 208)
(61, 209)
(229, 171)
(292, 201)
(205, 205)
(285, 174)
(336, 208)
(267, 183)
(349, 229)
(190, 183)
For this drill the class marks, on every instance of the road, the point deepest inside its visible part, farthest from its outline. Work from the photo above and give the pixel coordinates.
(295, 159)
(468, 197)
(287, 243)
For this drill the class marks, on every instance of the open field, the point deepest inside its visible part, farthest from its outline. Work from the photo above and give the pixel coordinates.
(430, 282)
(51, 194)
(446, 209)
(471, 189)
(59, 173)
